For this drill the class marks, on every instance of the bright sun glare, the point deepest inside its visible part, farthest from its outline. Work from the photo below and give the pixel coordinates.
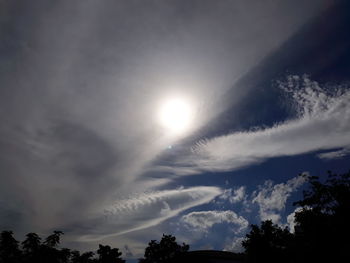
(176, 115)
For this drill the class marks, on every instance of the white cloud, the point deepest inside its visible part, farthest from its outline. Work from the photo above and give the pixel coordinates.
(272, 198)
(322, 122)
(234, 195)
(291, 218)
(149, 209)
(235, 245)
(166, 209)
(204, 220)
(334, 154)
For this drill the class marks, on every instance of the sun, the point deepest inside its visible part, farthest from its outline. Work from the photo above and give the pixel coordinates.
(175, 115)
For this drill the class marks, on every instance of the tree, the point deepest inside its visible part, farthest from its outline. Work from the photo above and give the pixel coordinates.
(64, 255)
(322, 226)
(268, 243)
(36, 251)
(49, 251)
(31, 243)
(53, 240)
(31, 248)
(109, 255)
(86, 257)
(167, 250)
(9, 250)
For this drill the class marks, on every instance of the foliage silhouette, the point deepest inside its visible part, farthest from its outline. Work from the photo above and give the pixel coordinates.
(9, 249)
(33, 250)
(86, 257)
(268, 243)
(53, 240)
(109, 255)
(322, 227)
(31, 247)
(167, 250)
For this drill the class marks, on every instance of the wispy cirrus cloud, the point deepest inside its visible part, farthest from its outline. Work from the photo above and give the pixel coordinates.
(149, 209)
(322, 123)
(334, 154)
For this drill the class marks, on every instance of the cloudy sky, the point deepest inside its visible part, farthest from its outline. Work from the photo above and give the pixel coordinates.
(123, 120)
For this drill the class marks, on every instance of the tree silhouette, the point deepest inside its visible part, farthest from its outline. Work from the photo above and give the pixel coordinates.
(53, 240)
(268, 243)
(9, 250)
(49, 251)
(322, 227)
(31, 244)
(35, 251)
(109, 255)
(31, 248)
(86, 257)
(167, 250)
(323, 224)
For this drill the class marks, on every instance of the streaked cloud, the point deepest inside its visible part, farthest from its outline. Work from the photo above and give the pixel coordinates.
(322, 123)
(334, 154)
(149, 209)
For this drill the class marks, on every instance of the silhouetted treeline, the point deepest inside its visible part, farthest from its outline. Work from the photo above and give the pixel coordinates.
(322, 227)
(34, 250)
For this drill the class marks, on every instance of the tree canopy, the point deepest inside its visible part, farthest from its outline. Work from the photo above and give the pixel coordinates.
(322, 227)
(33, 250)
(268, 241)
(167, 250)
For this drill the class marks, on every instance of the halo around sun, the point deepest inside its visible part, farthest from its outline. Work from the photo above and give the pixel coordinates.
(176, 115)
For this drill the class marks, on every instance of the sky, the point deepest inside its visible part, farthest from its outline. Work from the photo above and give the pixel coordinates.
(87, 145)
